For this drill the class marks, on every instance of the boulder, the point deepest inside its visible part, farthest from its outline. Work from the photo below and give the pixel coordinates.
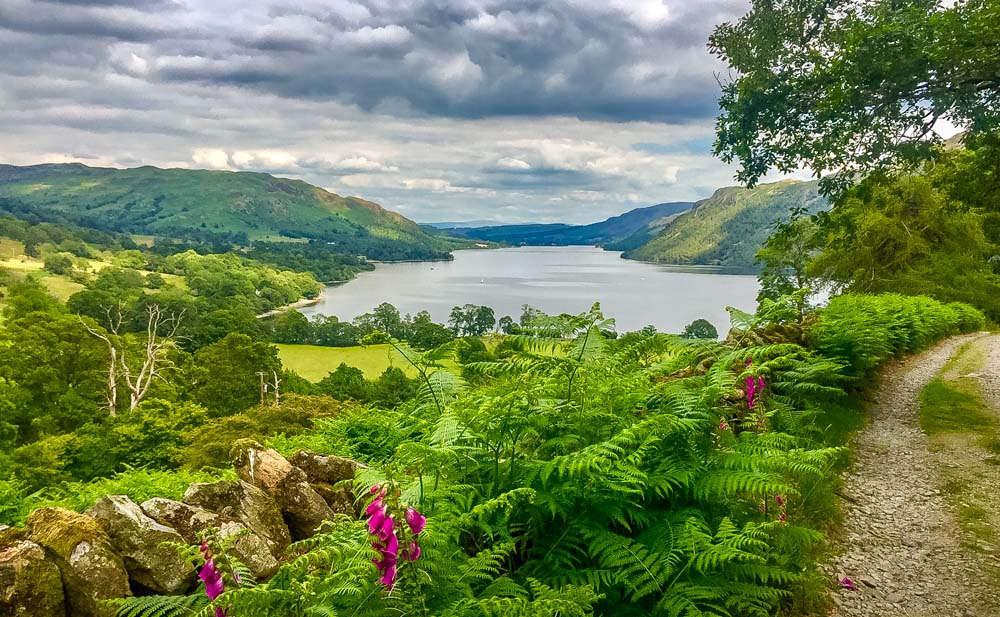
(324, 472)
(90, 569)
(236, 500)
(137, 538)
(9, 535)
(30, 584)
(250, 549)
(188, 520)
(304, 509)
(325, 468)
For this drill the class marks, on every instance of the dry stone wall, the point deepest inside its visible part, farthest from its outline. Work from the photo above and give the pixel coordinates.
(64, 563)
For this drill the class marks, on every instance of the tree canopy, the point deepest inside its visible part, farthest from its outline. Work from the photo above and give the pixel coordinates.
(852, 87)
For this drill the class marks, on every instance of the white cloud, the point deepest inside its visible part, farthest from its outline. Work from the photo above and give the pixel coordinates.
(385, 36)
(508, 162)
(212, 158)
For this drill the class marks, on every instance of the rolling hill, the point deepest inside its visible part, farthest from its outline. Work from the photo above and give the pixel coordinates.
(728, 228)
(609, 231)
(235, 207)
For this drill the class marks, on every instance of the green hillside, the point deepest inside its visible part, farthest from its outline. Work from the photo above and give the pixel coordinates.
(211, 205)
(728, 228)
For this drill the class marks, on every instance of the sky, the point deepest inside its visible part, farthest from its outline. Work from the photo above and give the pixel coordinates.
(443, 110)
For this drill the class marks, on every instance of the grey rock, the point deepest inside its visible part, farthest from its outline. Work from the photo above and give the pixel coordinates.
(304, 509)
(186, 519)
(250, 549)
(30, 584)
(91, 570)
(239, 501)
(137, 538)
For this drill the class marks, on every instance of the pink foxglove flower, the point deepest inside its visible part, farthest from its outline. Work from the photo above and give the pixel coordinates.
(413, 551)
(388, 576)
(415, 520)
(210, 575)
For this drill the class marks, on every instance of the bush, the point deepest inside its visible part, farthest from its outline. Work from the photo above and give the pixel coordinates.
(59, 263)
(863, 331)
(209, 445)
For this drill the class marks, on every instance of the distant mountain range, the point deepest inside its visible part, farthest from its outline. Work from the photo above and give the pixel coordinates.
(237, 207)
(454, 224)
(614, 229)
(726, 230)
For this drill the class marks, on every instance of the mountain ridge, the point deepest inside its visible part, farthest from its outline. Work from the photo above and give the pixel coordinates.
(728, 228)
(235, 206)
(562, 234)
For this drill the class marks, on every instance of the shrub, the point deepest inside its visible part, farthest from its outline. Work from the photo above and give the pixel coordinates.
(863, 331)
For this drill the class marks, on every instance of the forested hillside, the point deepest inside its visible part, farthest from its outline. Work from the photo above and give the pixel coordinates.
(237, 207)
(728, 228)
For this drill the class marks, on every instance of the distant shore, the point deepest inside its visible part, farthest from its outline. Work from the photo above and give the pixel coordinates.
(294, 305)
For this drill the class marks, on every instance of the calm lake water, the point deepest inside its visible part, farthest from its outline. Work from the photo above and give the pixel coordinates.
(553, 279)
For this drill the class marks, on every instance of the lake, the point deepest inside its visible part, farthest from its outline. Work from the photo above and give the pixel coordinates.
(565, 279)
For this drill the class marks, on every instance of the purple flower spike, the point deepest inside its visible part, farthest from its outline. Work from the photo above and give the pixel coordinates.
(389, 576)
(413, 551)
(377, 520)
(386, 530)
(392, 547)
(374, 507)
(212, 579)
(415, 520)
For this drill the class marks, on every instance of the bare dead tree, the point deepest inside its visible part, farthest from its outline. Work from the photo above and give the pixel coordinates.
(267, 386)
(276, 384)
(161, 337)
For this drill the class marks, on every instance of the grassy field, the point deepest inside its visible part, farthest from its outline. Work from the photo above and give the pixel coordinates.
(314, 362)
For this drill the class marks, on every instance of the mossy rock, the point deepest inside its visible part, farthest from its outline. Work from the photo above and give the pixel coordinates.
(30, 584)
(91, 570)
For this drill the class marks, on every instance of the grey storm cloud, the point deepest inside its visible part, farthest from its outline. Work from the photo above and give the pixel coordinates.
(461, 59)
(536, 109)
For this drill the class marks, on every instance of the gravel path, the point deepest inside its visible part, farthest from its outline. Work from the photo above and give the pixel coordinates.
(989, 378)
(901, 543)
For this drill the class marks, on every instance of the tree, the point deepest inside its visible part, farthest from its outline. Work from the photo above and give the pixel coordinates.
(785, 258)
(332, 332)
(29, 296)
(386, 318)
(458, 319)
(153, 362)
(506, 324)
(483, 321)
(223, 375)
(854, 88)
(155, 280)
(700, 328)
(60, 263)
(53, 372)
(908, 237)
(346, 382)
(392, 387)
(291, 327)
(529, 314)
(428, 335)
(471, 320)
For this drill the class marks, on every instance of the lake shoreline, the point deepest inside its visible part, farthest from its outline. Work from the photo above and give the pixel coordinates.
(304, 302)
(552, 279)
